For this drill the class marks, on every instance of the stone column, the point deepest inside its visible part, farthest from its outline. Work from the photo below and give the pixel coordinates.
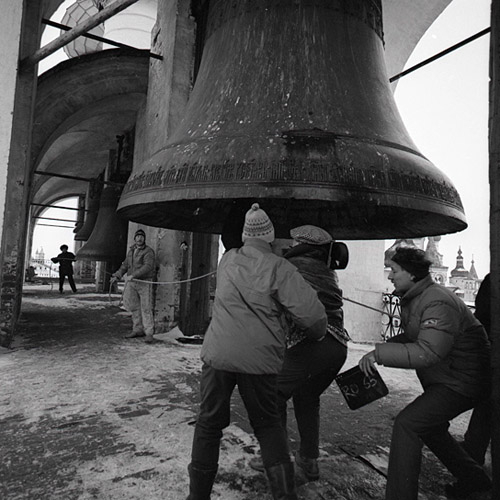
(20, 31)
(170, 82)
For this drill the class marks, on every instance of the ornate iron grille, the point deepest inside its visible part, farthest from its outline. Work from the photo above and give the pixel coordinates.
(391, 320)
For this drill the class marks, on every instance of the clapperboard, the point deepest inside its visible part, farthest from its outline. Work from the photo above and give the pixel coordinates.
(359, 389)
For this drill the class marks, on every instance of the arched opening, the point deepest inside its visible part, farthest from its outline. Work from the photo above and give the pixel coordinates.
(52, 227)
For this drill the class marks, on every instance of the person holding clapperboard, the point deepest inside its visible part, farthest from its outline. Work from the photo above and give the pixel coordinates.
(449, 349)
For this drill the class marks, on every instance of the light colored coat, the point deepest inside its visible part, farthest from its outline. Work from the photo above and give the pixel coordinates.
(254, 287)
(442, 340)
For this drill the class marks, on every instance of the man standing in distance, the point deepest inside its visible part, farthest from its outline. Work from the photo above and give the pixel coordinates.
(65, 260)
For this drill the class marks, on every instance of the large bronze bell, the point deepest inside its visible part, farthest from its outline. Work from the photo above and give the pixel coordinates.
(92, 200)
(292, 108)
(108, 240)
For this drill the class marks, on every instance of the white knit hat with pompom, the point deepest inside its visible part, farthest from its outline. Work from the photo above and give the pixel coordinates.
(258, 225)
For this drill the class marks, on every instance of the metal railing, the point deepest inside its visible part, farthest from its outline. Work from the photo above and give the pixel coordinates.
(391, 320)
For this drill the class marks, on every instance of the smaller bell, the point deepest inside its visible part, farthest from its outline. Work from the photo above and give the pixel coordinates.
(108, 240)
(92, 201)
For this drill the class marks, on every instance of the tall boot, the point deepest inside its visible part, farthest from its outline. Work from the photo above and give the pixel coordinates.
(282, 481)
(200, 483)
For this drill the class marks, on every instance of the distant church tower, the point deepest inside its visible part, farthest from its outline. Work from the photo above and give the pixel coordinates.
(439, 272)
(466, 282)
(40, 255)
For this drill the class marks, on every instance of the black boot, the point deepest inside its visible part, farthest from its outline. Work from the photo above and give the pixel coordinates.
(200, 483)
(464, 488)
(282, 481)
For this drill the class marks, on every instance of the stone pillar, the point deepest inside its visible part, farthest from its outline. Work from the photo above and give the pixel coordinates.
(20, 28)
(196, 315)
(170, 82)
(363, 281)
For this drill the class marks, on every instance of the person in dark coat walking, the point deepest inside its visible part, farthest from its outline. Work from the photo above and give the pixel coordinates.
(478, 434)
(65, 260)
(449, 349)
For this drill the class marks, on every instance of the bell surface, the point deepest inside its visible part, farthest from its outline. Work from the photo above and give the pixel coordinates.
(292, 108)
(92, 201)
(108, 240)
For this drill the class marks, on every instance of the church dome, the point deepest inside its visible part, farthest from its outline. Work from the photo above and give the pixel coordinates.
(460, 271)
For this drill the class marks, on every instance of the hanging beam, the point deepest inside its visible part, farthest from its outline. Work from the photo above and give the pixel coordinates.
(48, 22)
(53, 225)
(440, 54)
(80, 29)
(76, 178)
(55, 218)
(56, 206)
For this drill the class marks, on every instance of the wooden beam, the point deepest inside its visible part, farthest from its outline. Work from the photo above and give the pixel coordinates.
(48, 22)
(56, 206)
(494, 178)
(76, 178)
(77, 31)
(55, 218)
(440, 54)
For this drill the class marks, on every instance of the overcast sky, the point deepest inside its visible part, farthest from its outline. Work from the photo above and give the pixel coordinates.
(445, 108)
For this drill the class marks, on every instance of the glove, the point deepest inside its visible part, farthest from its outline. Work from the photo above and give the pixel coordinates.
(128, 278)
(113, 279)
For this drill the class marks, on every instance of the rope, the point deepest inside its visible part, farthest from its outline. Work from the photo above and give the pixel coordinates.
(372, 308)
(214, 272)
(120, 302)
(174, 282)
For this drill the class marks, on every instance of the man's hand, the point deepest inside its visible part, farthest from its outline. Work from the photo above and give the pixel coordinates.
(367, 363)
(113, 279)
(128, 278)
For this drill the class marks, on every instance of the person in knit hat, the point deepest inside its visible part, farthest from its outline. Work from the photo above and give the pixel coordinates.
(449, 349)
(139, 268)
(244, 346)
(257, 225)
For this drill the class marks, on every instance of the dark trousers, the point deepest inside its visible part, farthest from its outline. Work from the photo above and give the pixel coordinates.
(478, 435)
(258, 393)
(71, 281)
(426, 421)
(308, 370)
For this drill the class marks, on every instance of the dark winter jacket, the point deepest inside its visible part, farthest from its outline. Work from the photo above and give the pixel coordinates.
(310, 260)
(483, 306)
(442, 340)
(65, 261)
